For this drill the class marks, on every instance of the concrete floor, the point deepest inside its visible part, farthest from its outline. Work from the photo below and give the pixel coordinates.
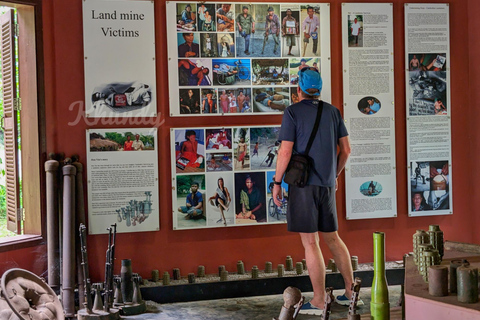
(251, 308)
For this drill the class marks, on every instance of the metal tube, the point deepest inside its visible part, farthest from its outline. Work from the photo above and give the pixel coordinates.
(80, 219)
(438, 281)
(51, 169)
(68, 285)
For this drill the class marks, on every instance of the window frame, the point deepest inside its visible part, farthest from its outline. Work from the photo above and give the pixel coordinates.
(29, 15)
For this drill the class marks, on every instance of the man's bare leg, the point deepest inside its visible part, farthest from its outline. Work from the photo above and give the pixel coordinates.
(315, 266)
(342, 259)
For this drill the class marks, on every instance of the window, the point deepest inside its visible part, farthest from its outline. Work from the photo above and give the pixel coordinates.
(22, 121)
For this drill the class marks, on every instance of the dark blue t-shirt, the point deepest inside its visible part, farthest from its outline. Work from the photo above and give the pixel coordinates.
(297, 125)
(194, 200)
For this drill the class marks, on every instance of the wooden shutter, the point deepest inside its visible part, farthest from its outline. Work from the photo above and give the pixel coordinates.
(8, 55)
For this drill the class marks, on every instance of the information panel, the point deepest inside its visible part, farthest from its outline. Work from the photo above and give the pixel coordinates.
(122, 171)
(427, 52)
(368, 94)
(243, 58)
(119, 49)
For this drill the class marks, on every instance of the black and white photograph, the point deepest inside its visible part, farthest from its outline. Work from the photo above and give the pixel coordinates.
(121, 97)
(419, 176)
(427, 93)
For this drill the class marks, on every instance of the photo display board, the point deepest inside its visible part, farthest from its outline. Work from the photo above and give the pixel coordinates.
(243, 58)
(122, 173)
(223, 177)
(119, 58)
(429, 144)
(368, 94)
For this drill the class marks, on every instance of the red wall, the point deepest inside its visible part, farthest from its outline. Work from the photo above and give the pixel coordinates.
(254, 245)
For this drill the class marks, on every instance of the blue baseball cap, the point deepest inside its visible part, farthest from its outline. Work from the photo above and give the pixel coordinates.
(309, 78)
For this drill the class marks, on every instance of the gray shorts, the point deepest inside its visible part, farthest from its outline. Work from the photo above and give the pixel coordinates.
(311, 209)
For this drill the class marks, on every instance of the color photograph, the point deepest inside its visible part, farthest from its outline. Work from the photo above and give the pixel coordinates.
(209, 101)
(219, 161)
(219, 201)
(419, 176)
(355, 30)
(371, 188)
(190, 204)
(270, 72)
(186, 18)
(290, 17)
(206, 17)
(225, 45)
(264, 147)
(225, 17)
(121, 141)
(297, 64)
(274, 99)
(369, 105)
(231, 72)
(218, 139)
(189, 150)
(276, 213)
(310, 30)
(250, 205)
(189, 101)
(208, 45)
(241, 151)
(194, 72)
(188, 45)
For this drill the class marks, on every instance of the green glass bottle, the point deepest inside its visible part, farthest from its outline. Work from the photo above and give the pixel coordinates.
(379, 306)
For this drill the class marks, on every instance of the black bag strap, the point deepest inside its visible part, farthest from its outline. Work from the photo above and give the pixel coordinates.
(315, 127)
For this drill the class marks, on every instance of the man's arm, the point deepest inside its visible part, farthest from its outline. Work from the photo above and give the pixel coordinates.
(284, 155)
(345, 150)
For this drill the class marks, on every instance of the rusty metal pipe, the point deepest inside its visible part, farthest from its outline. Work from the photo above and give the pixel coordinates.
(51, 169)
(68, 285)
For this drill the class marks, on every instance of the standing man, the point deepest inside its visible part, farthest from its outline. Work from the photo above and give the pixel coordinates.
(194, 204)
(138, 144)
(246, 26)
(290, 30)
(310, 27)
(355, 28)
(312, 209)
(272, 27)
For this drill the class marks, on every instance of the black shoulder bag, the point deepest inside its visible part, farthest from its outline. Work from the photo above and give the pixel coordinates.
(300, 165)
